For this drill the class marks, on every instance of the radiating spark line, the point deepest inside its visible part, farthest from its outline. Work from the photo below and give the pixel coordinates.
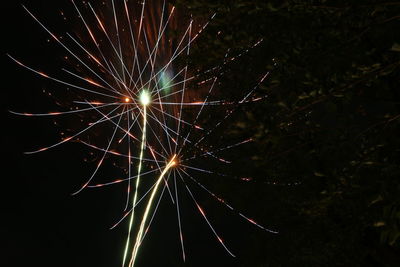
(205, 217)
(58, 113)
(58, 80)
(156, 136)
(218, 150)
(227, 205)
(102, 158)
(128, 131)
(132, 38)
(155, 210)
(200, 170)
(118, 38)
(154, 49)
(110, 41)
(207, 71)
(170, 85)
(138, 242)
(197, 103)
(117, 153)
(183, 87)
(163, 118)
(174, 56)
(77, 134)
(108, 69)
(160, 33)
(122, 180)
(89, 81)
(173, 117)
(198, 115)
(165, 150)
(179, 219)
(210, 103)
(211, 172)
(116, 124)
(232, 110)
(64, 46)
(166, 129)
(159, 168)
(136, 54)
(197, 75)
(158, 153)
(137, 203)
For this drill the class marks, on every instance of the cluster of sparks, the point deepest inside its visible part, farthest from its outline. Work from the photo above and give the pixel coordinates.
(127, 76)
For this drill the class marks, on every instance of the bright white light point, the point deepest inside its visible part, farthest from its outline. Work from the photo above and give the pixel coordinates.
(144, 98)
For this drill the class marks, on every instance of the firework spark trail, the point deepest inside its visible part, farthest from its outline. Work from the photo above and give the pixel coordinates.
(60, 81)
(116, 124)
(58, 113)
(142, 147)
(198, 115)
(149, 58)
(119, 40)
(205, 217)
(211, 153)
(119, 55)
(117, 181)
(183, 87)
(102, 158)
(228, 205)
(137, 203)
(174, 56)
(80, 132)
(162, 146)
(110, 41)
(244, 99)
(155, 209)
(167, 129)
(170, 164)
(178, 213)
(138, 38)
(67, 49)
(108, 69)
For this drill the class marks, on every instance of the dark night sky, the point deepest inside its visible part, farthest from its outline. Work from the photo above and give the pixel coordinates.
(43, 225)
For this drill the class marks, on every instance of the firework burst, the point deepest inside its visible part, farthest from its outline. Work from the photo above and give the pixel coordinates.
(133, 87)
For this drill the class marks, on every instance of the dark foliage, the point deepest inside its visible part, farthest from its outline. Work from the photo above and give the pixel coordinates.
(330, 123)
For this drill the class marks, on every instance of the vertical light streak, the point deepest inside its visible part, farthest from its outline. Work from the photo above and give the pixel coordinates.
(138, 242)
(142, 147)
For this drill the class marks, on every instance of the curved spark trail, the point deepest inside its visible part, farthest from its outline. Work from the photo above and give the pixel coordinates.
(170, 164)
